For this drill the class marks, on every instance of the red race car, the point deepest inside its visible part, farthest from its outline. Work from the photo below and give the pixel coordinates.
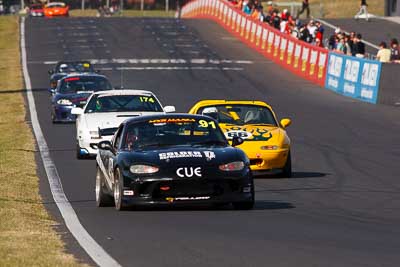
(56, 9)
(36, 10)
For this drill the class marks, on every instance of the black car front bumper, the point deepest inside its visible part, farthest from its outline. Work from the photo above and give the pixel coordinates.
(176, 191)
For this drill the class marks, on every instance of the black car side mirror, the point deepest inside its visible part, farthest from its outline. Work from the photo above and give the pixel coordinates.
(105, 145)
(237, 141)
(51, 72)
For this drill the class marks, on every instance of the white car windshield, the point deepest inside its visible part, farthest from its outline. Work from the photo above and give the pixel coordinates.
(123, 103)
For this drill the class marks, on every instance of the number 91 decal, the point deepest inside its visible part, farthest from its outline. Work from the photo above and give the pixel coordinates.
(238, 133)
(206, 124)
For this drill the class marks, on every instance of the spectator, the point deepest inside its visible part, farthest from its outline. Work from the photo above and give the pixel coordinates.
(332, 39)
(394, 51)
(276, 20)
(348, 45)
(305, 34)
(383, 53)
(340, 47)
(295, 29)
(312, 28)
(363, 10)
(305, 7)
(320, 31)
(270, 8)
(239, 4)
(247, 8)
(358, 49)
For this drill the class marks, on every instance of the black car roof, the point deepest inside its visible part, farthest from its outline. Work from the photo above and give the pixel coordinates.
(166, 116)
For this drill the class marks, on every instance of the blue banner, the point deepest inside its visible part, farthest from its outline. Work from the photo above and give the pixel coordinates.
(353, 77)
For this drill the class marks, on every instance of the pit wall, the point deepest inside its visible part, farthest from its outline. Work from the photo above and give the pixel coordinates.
(349, 76)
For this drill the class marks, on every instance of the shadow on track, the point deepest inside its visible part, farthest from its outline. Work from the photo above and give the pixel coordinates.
(17, 91)
(295, 175)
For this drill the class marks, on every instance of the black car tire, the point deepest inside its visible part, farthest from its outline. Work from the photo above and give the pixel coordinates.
(118, 190)
(245, 205)
(287, 169)
(102, 198)
(53, 118)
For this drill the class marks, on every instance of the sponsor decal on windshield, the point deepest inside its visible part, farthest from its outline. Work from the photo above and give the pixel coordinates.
(172, 120)
(180, 154)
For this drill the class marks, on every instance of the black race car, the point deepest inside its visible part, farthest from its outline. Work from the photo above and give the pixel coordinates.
(172, 159)
(63, 68)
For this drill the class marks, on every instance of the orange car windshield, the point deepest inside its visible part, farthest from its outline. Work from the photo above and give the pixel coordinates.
(55, 5)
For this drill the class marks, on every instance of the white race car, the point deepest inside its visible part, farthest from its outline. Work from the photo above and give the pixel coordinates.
(106, 110)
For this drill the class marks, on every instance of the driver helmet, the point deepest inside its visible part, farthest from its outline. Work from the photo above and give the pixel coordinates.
(63, 67)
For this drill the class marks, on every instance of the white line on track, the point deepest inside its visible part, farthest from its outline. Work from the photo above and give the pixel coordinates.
(155, 61)
(175, 68)
(94, 250)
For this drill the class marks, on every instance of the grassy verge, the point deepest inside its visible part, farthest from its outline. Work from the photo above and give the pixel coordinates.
(125, 13)
(339, 8)
(27, 237)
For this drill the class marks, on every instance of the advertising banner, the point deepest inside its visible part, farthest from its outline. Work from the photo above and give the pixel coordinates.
(354, 77)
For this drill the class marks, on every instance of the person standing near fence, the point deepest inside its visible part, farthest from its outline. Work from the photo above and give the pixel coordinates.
(305, 7)
(363, 10)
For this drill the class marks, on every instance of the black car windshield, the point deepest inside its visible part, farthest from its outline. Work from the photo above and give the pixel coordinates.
(84, 84)
(239, 114)
(123, 103)
(68, 67)
(174, 131)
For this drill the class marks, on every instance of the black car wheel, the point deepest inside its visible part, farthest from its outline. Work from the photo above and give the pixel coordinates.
(102, 198)
(245, 205)
(118, 190)
(287, 169)
(53, 118)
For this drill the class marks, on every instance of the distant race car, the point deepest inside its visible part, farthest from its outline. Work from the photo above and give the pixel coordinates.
(55, 9)
(63, 68)
(266, 142)
(36, 10)
(172, 159)
(106, 110)
(73, 91)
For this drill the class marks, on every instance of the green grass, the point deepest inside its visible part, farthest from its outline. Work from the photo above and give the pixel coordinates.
(125, 13)
(339, 8)
(27, 235)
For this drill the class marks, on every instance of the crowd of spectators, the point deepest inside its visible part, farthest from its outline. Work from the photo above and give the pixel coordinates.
(312, 31)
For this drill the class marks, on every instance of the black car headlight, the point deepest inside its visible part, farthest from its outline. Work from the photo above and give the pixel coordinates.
(143, 169)
(232, 166)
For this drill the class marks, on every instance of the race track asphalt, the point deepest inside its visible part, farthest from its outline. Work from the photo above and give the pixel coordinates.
(342, 208)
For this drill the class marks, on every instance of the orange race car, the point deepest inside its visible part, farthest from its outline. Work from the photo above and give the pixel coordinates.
(56, 9)
(266, 142)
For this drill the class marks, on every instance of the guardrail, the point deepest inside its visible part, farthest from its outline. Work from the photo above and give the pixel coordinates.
(350, 76)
